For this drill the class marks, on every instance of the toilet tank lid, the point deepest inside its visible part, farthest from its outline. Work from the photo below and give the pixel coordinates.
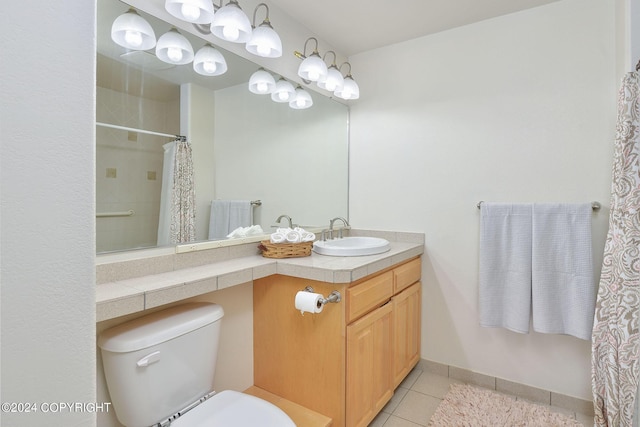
(158, 327)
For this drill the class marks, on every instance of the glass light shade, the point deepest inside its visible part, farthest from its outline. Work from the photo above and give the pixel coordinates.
(196, 11)
(283, 92)
(333, 81)
(313, 68)
(262, 82)
(301, 100)
(265, 42)
(209, 61)
(231, 24)
(174, 48)
(349, 90)
(132, 31)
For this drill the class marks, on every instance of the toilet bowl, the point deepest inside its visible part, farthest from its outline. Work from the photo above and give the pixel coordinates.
(232, 408)
(160, 368)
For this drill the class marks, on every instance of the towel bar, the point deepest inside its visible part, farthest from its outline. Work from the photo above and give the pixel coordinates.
(112, 214)
(594, 205)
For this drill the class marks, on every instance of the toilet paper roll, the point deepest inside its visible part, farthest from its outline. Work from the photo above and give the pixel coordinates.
(309, 302)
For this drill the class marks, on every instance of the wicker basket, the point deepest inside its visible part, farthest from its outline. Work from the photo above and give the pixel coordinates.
(285, 250)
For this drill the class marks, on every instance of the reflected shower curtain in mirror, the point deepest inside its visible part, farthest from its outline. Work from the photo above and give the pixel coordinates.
(177, 201)
(616, 339)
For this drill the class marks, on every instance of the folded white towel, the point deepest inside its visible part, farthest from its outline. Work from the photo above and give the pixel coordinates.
(308, 236)
(238, 232)
(563, 287)
(505, 266)
(245, 231)
(228, 215)
(293, 237)
(280, 235)
(289, 235)
(277, 238)
(305, 236)
(253, 230)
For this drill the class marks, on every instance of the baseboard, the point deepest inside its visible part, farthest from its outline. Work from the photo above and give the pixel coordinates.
(532, 394)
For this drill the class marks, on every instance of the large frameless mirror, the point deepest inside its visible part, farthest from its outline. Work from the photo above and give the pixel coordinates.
(244, 146)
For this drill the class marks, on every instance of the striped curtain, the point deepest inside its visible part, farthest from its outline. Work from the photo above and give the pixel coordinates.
(177, 204)
(616, 330)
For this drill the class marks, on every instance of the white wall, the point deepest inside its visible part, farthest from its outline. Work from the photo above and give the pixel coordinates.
(47, 188)
(295, 160)
(197, 112)
(519, 108)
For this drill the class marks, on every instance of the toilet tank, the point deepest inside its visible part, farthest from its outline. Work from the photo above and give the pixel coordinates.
(160, 363)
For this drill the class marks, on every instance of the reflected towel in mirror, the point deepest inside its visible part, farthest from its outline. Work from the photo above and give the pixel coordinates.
(228, 215)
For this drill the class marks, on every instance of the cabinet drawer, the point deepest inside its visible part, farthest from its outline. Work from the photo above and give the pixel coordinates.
(368, 295)
(406, 275)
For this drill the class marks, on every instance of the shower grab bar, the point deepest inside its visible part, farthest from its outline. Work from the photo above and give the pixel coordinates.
(594, 205)
(130, 212)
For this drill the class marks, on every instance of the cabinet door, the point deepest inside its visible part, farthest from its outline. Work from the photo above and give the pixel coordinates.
(406, 332)
(369, 356)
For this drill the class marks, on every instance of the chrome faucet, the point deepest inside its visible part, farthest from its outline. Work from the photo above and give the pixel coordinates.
(287, 217)
(344, 221)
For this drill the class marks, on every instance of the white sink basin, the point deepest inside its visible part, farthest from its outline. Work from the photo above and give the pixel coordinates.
(352, 246)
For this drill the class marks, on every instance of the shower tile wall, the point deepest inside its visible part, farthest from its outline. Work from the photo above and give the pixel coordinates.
(129, 166)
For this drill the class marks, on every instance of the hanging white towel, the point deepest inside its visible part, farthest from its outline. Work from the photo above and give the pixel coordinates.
(563, 287)
(228, 215)
(505, 266)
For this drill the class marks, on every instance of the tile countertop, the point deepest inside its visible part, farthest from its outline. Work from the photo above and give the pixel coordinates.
(130, 295)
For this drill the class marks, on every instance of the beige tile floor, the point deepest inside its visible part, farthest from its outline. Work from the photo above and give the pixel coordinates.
(417, 398)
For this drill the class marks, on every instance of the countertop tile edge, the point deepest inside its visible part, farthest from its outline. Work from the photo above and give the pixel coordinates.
(114, 299)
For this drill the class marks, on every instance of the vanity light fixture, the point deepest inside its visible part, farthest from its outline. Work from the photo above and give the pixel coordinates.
(334, 80)
(350, 89)
(312, 68)
(262, 82)
(231, 24)
(283, 92)
(208, 61)
(174, 48)
(132, 31)
(264, 40)
(195, 11)
(301, 100)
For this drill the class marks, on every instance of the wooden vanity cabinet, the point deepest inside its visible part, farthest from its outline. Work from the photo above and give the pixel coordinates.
(346, 361)
(369, 357)
(406, 327)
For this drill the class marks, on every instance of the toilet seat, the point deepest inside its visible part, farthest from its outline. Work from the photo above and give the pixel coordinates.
(234, 409)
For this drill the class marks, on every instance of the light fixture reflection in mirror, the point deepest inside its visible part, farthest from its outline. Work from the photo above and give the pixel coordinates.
(132, 31)
(301, 100)
(283, 92)
(262, 82)
(174, 48)
(208, 61)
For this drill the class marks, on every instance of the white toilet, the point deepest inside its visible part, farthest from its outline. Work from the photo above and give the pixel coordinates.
(160, 368)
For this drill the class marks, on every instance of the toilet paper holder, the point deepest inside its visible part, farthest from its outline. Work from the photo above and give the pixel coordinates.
(334, 296)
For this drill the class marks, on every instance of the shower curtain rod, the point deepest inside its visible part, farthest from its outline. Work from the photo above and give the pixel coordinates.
(594, 205)
(168, 135)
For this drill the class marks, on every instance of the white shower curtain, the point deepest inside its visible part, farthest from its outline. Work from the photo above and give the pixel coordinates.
(616, 330)
(177, 201)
